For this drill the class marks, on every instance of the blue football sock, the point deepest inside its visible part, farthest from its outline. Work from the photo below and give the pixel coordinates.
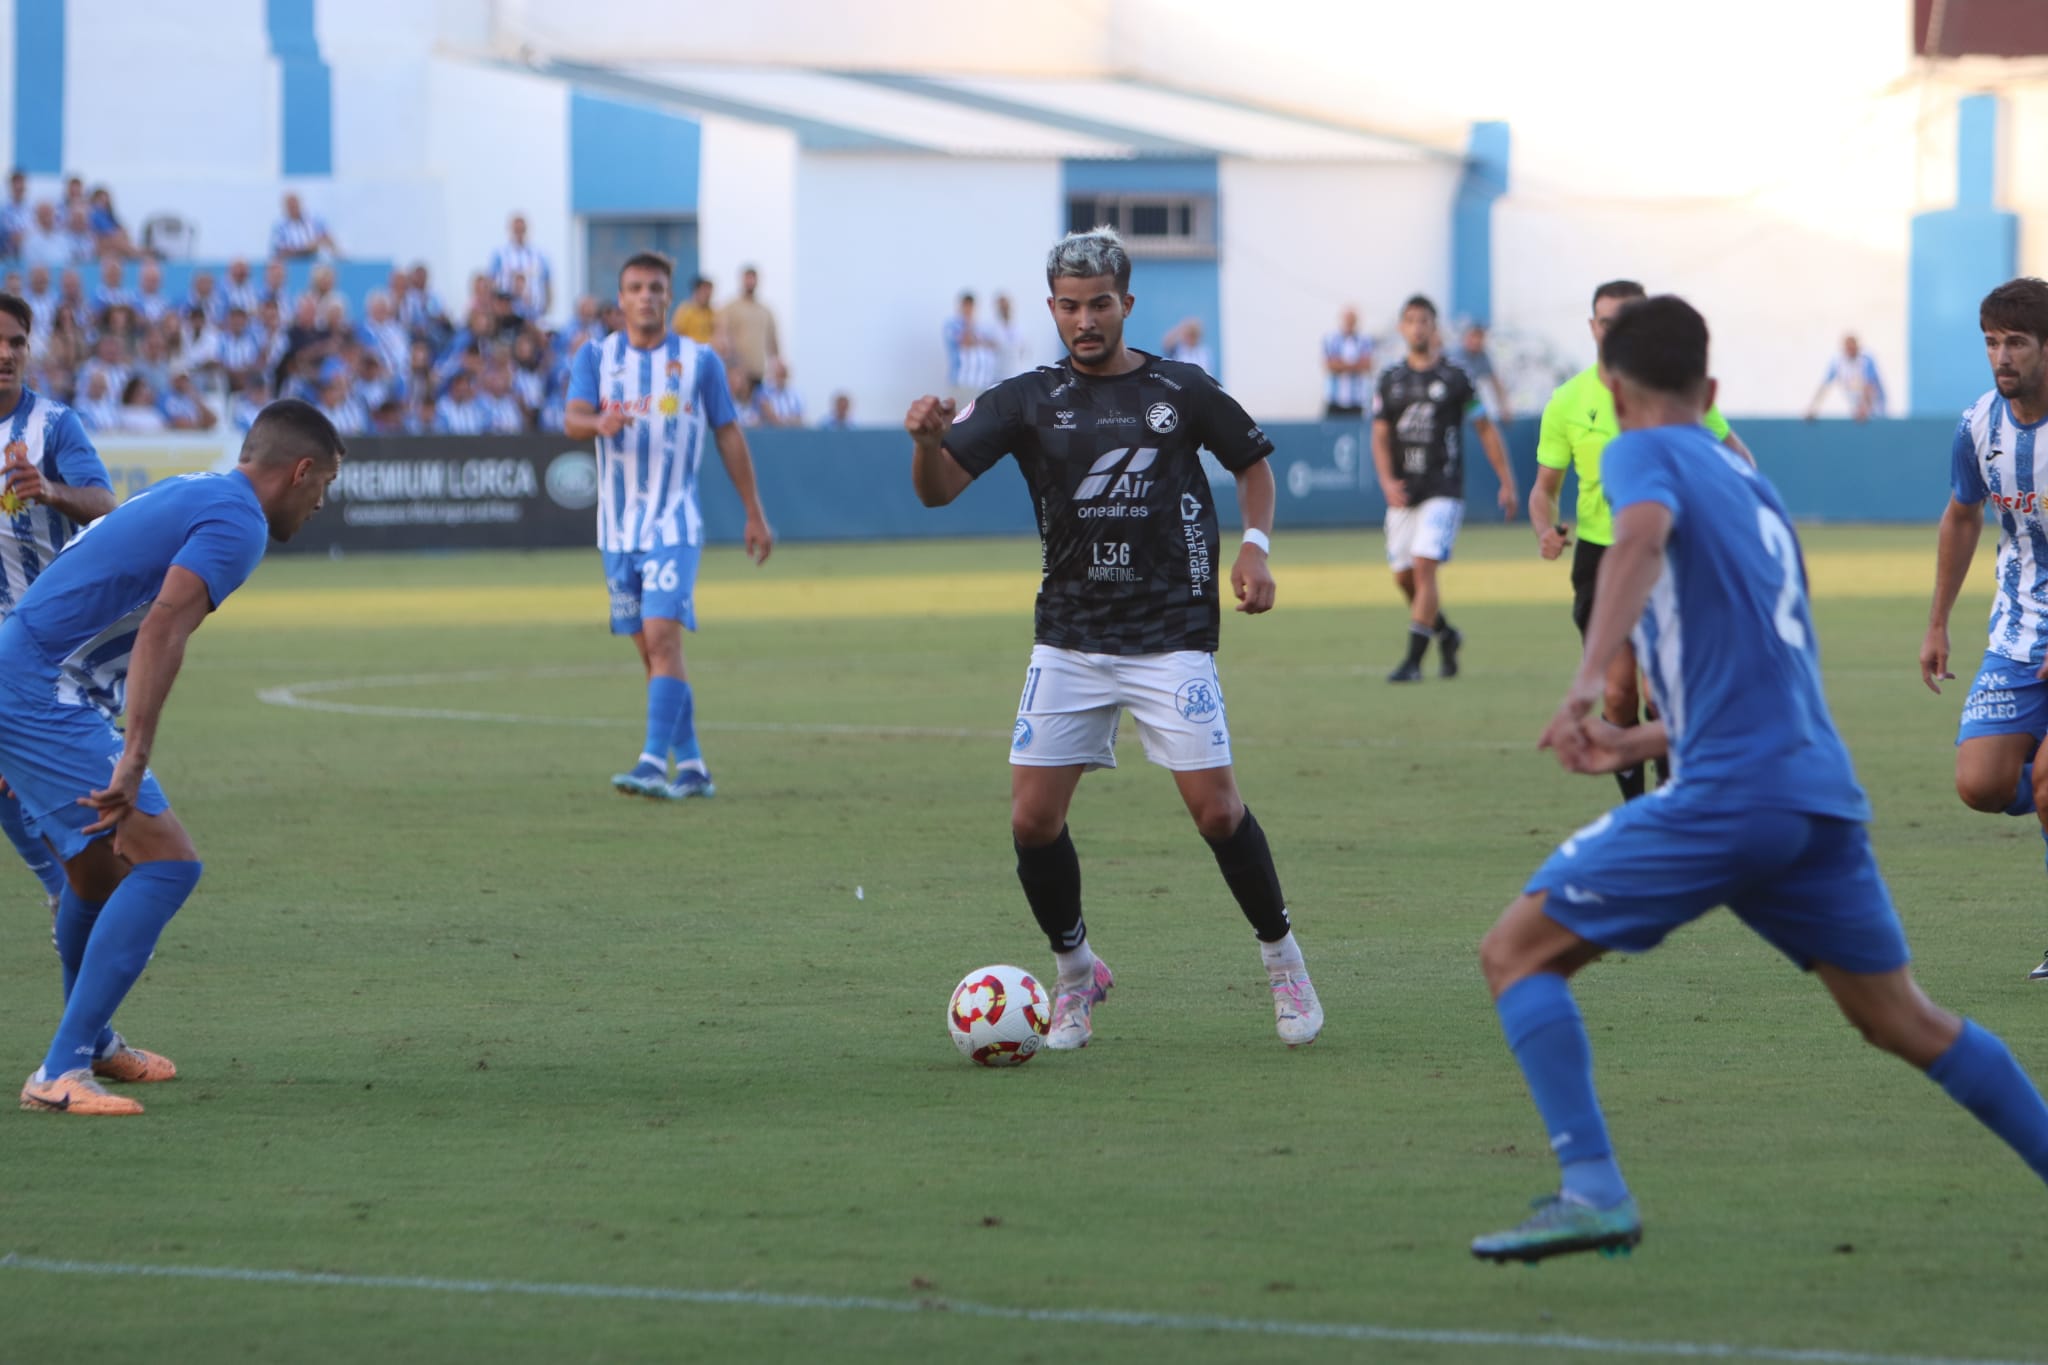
(33, 851)
(682, 741)
(2023, 800)
(75, 918)
(1979, 1073)
(664, 701)
(116, 951)
(1549, 1041)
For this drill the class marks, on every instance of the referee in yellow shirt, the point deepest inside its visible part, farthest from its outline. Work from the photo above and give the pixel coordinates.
(1578, 422)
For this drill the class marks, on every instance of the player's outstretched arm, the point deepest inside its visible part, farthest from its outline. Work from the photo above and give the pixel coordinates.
(739, 467)
(159, 653)
(1497, 456)
(1250, 579)
(1628, 571)
(934, 473)
(1954, 546)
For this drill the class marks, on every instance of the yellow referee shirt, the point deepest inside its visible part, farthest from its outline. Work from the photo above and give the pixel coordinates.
(1578, 422)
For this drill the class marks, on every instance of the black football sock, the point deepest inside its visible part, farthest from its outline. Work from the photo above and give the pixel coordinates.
(1630, 781)
(1661, 771)
(1246, 862)
(1418, 644)
(1443, 625)
(1051, 874)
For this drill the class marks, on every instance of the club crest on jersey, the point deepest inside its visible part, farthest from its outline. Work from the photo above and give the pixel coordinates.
(675, 369)
(1437, 390)
(1196, 699)
(1162, 417)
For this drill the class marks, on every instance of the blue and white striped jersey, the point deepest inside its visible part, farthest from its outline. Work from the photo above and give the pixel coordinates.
(509, 261)
(1727, 637)
(971, 356)
(1996, 461)
(49, 436)
(75, 628)
(674, 394)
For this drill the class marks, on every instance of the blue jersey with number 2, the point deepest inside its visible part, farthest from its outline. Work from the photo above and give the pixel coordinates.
(1727, 638)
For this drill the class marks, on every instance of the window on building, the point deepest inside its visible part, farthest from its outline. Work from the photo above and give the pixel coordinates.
(608, 242)
(1151, 224)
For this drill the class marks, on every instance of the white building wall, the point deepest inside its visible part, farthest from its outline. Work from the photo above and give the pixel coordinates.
(1299, 243)
(498, 143)
(887, 244)
(1778, 294)
(174, 105)
(747, 193)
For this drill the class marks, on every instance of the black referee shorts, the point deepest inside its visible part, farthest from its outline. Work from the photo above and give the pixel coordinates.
(1585, 572)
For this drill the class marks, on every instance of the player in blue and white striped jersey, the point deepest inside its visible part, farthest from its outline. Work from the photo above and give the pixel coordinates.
(1997, 461)
(520, 270)
(649, 398)
(54, 483)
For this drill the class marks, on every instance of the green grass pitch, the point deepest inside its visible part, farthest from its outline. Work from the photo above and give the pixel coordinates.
(448, 1008)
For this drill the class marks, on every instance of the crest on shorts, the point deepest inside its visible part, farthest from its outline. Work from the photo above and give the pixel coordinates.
(1020, 738)
(1196, 699)
(1162, 417)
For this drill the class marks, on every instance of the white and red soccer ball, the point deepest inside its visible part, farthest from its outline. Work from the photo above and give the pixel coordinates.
(998, 1016)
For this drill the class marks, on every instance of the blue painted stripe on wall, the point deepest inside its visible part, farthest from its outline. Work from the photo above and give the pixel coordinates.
(1485, 180)
(1176, 174)
(1976, 151)
(306, 88)
(39, 86)
(629, 158)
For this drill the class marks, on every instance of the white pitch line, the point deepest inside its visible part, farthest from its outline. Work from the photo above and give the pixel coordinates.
(1065, 1317)
(306, 696)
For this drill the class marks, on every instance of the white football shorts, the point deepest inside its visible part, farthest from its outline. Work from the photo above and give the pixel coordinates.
(1427, 531)
(1072, 703)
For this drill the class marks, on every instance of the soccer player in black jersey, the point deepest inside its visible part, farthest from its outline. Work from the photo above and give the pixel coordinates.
(1418, 418)
(1128, 608)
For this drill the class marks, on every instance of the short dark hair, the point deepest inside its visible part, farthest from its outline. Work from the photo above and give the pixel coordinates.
(288, 431)
(1659, 343)
(699, 282)
(967, 296)
(648, 260)
(2019, 305)
(16, 307)
(1420, 301)
(1618, 289)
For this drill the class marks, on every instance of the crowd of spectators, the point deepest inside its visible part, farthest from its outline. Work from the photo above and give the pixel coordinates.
(129, 356)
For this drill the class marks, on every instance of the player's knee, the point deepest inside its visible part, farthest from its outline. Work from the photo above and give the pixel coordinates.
(1623, 702)
(1034, 828)
(1218, 817)
(1499, 962)
(1983, 792)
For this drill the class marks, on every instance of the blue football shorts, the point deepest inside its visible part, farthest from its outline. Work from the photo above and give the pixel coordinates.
(51, 754)
(658, 583)
(1808, 884)
(2005, 699)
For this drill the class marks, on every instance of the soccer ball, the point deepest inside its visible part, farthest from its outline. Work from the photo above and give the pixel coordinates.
(998, 1016)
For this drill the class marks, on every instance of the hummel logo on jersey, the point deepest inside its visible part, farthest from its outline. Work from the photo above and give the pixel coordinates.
(1128, 484)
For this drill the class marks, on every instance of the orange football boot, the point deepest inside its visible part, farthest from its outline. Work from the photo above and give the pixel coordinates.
(74, 1092)
(133, 1065)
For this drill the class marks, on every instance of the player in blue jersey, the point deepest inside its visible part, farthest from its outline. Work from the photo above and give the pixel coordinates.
(102, 633)
(1995, 461)
(1762, 814)
(649, 398)
(53, 484)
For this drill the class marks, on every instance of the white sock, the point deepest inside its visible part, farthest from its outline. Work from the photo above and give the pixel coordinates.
(1077, 968)
(1282, 957)
(657, 760)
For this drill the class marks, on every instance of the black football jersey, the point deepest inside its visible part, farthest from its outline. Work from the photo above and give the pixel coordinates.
(1425, 413)
(1125, 514)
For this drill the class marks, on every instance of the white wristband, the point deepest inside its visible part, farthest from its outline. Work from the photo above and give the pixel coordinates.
(1254, 536)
